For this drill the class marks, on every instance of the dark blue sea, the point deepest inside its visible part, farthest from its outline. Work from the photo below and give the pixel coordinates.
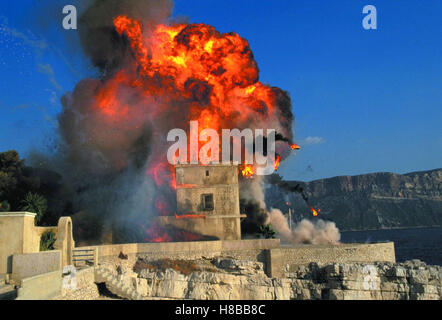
(418, 243)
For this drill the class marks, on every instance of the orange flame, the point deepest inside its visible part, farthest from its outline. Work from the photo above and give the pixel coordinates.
(155, 234)
(214, 73)
(247, 171)
(314, 211)
(277, 160)
(294, 146)
(190, 216)
(224, 61)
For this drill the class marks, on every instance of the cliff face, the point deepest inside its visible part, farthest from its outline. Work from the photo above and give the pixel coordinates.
(369, 201)
(231, 279)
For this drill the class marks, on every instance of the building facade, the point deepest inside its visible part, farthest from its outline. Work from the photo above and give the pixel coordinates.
(207, 201)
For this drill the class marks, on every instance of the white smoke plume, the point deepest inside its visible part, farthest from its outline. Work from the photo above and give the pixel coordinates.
(319, 232)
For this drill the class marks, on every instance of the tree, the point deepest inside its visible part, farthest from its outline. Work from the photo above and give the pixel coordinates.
(35, 203)
(11, 168)
(18, 180)
(14, 181)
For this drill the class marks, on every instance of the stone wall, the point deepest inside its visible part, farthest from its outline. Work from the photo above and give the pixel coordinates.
(286, 258)
(253, 250)
(187, 249)
(276, 259)
(31, 264)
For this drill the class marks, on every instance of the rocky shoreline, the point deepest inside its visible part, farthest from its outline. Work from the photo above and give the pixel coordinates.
(229, 278)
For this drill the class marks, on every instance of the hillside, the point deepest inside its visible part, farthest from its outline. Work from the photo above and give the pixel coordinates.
(369, 201)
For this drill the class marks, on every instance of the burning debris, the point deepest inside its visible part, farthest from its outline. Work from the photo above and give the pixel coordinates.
(277, 180)
(294, 146)
(248, 171)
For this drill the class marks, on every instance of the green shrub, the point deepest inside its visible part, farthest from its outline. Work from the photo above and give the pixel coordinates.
(47, 241)
(267, 231)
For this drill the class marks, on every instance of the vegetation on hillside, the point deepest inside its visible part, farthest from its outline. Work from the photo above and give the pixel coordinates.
(25, 188)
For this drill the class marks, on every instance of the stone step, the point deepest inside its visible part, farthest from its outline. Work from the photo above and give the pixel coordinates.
(114, 285)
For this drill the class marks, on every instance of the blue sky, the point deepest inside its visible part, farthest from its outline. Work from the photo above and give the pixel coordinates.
(364, 101)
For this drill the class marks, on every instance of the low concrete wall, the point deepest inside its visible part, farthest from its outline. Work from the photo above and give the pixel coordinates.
(253, 250)
(32, 264)
(183, 248)
(42, 287)
(285, 259)
(276, 259)
(40, 230)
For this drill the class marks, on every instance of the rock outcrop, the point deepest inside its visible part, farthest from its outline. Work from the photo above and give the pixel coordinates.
(121, 285)
(236, 279)
(369, 201)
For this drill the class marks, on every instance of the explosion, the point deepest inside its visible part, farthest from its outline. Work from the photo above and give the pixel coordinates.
(213, 74)
(157, 75)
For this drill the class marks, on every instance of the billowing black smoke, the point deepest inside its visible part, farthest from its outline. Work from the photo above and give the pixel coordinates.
(103, 163)
(101, 43)
(276, 180)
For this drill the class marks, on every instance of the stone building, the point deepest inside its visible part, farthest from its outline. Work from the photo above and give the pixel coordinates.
(207, 201)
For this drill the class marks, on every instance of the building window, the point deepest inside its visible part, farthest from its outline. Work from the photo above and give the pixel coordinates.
(207, 202)
(207, 173)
